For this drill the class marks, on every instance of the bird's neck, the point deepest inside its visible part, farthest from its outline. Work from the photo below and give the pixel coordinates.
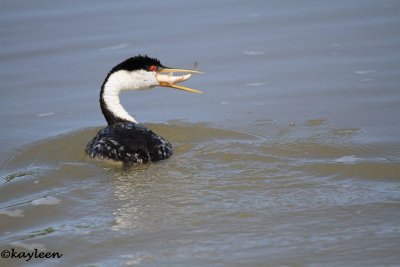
(110, 104)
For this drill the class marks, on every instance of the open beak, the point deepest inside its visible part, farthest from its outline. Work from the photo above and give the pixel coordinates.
(171, 81)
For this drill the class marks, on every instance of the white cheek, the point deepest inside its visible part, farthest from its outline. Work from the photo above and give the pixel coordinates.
(142, 80)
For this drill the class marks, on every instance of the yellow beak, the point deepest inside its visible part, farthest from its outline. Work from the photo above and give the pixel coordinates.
(180, 70)
(171, 81)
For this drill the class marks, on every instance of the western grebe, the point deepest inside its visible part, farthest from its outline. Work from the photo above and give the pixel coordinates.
(124, 139)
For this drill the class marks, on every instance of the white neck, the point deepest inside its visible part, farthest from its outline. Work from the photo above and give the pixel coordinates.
(124, 80)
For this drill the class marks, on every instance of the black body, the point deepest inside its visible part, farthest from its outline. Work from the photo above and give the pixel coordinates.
(130, 143)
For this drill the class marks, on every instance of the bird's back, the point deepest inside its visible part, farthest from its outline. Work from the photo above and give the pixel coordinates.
(130, 143)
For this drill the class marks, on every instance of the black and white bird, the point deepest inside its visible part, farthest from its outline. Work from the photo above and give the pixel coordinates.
(124, 139)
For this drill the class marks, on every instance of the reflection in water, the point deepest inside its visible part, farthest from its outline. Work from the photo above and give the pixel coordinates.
(135, 199)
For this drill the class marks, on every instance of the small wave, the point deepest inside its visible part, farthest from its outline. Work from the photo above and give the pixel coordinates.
(46, 201)
(253, 53)
(348, 159)
(255, 84)
(45, 114)
(364, 72)
(18, 174)
(114, 47)
(12, 213)
(26, 246)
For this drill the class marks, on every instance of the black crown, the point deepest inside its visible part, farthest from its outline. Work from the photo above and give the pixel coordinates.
(139, 62)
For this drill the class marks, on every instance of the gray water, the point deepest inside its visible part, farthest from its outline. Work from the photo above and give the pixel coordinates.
(291, 157)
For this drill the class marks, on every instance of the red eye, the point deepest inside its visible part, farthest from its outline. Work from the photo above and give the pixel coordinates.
(153, 68)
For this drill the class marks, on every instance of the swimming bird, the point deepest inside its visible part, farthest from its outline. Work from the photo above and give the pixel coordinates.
(124, 139)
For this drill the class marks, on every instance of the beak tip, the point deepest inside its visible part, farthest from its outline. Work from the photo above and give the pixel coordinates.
(170, 81)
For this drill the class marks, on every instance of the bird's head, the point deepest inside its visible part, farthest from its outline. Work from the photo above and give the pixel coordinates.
(142, 72)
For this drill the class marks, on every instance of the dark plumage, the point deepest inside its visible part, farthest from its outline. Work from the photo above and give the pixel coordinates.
(137, 63)
(130, 143)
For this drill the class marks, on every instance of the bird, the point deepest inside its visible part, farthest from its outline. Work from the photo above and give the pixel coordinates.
(124, 139)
